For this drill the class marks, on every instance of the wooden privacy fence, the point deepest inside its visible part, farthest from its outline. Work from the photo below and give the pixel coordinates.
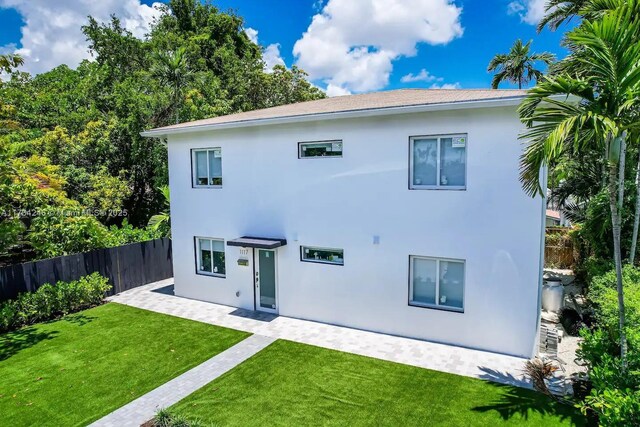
(126, 267)
(559, 251)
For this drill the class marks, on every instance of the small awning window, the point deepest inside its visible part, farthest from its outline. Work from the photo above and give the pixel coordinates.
(257, 242)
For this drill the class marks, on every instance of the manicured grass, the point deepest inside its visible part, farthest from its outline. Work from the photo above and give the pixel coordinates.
(80, 368)
(290, 384)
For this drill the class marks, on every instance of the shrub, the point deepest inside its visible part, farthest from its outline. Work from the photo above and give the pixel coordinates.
(51, 301)
(615, 396)
(166, 418)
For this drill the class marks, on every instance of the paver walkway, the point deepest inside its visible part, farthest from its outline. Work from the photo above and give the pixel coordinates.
(501, 368)
(144, 408)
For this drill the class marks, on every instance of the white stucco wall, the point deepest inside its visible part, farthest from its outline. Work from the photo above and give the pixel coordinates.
(343, 202)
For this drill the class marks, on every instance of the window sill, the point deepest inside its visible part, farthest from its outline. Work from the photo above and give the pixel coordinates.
(204, 273)
(435, 187)
(322, 262)
(436, 307)
(207, 186)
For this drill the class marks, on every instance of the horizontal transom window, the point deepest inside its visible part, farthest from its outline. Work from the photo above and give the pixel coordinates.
(436, 282)
(210, 256)
(438, 162)
(320, 149)
(322, 255)
(207, 167)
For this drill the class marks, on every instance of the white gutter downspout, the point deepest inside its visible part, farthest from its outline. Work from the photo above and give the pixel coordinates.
(543, 226)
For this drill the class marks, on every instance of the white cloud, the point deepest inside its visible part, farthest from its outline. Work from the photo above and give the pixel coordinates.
(333, 90)
(422, 76)
(352, 44)
(530, 11)
(455, 85)
(252, 34)
(51, 34)
(270, 54)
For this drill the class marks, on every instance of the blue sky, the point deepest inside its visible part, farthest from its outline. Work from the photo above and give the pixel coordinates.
(356, 46)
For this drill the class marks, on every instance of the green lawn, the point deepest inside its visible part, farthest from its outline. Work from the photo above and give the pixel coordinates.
(290, 384)
(75, 370)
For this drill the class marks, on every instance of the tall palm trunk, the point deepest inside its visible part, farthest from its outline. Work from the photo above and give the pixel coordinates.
(636, 217)
(616, 193)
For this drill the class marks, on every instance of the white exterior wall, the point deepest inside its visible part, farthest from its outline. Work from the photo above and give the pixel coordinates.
(343, 202)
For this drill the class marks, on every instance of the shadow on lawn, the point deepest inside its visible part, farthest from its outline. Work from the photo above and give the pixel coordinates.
(78, 319)
(16, 341)
(516, 401)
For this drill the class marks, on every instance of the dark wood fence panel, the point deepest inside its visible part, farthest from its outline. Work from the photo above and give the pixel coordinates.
(126, 267)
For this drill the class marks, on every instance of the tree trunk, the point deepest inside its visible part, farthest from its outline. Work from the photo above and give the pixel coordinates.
(616, 192)
(636, 217)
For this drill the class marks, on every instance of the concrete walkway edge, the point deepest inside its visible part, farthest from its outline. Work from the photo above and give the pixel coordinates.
(144, 408)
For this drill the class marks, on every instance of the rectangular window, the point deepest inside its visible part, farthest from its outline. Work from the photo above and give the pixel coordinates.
(438, 162)
(322, 255)
(436, 282)
(320, 149)
(210, 256)
(207, 171)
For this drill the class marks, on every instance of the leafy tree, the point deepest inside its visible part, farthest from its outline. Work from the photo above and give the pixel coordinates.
(600, 117)
(518, 66)
(72, 137)
(8, 63)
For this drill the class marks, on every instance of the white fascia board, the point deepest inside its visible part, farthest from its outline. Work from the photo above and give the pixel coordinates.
(500, 102)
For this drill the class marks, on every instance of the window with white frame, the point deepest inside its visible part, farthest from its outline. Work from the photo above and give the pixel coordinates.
(438, 161)
(322, 255)
(210, 256)
(207, 167)
(320, 149)
(436, 282)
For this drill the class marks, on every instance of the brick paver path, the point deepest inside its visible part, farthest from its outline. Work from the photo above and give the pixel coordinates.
(144, 408)
(440, 357)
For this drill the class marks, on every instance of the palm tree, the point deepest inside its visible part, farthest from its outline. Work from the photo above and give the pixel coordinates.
(162, 222)
(593, 110)
(557, 12)
(518, 66)
(172, 69)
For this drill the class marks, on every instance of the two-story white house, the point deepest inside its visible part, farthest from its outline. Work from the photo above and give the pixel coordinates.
(399, 212)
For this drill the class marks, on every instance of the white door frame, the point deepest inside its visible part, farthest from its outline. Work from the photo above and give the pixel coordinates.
(256, 279)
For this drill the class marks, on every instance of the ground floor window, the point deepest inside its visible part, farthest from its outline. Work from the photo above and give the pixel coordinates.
(210, 253)
(322, 255)
(436, 282)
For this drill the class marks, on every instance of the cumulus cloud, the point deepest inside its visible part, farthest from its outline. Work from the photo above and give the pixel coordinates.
(333, 90)
(422, 76)
(51, 34)
(352, 44)
(270, 54)
(530, 11)
(252, 34)
(455, 85)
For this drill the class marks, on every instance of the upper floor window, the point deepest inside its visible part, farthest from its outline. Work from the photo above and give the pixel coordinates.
(320, 149)
(207, 167)
(210, 256)
(438, 161)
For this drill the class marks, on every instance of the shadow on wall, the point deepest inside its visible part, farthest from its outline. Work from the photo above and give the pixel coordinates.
(521, 403)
